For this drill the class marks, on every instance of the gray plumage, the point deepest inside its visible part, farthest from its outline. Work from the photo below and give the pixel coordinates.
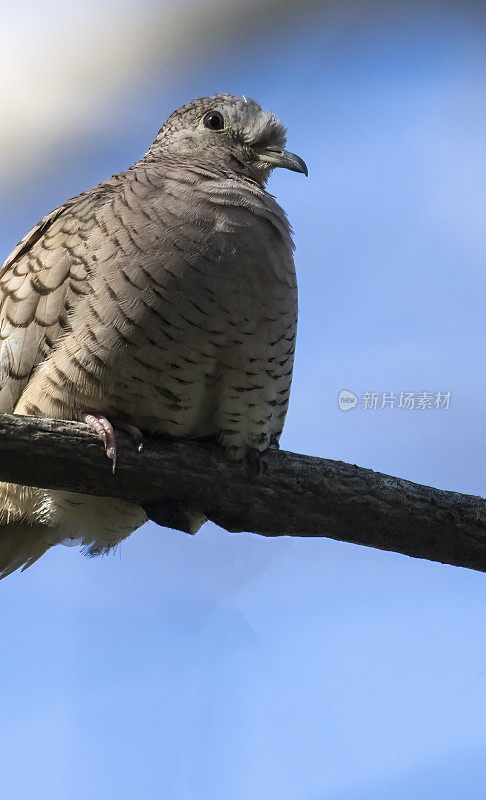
(164, 298)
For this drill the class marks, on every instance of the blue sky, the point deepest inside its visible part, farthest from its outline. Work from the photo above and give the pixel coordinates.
(237, 666)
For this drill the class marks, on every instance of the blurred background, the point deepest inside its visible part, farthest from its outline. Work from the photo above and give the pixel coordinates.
(233, 666)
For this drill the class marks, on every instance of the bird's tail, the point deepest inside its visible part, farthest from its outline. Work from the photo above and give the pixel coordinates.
(25, 534)
(33, 520)
(21, 545)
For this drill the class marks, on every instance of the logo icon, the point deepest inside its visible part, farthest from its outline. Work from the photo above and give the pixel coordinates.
(346, 400)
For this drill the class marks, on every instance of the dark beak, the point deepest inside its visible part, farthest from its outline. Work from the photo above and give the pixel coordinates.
(277, 157)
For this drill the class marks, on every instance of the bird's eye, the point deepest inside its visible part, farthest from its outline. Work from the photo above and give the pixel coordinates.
(214, 121)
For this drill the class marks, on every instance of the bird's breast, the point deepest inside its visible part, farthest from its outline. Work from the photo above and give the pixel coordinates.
(219, 298)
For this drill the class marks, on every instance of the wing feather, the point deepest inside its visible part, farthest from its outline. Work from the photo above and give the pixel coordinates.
(41, 276)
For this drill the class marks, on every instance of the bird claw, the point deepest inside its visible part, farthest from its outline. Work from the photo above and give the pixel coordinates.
(134, 433)
(256, 464)
(104, 430)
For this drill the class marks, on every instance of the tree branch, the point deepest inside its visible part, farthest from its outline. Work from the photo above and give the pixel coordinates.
(297, 495)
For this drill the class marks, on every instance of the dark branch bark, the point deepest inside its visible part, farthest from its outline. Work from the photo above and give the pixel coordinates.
(298, 495)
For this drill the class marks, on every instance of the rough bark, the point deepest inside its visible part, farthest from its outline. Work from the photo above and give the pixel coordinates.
(297, 495)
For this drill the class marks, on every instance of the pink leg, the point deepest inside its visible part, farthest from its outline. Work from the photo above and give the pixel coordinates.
(104, 431)
(103, 428)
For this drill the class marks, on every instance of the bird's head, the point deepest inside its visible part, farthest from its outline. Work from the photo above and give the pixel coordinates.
(228, 133)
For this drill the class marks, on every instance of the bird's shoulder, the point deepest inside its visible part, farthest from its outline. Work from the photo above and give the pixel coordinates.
(40, 282)
(67, 219)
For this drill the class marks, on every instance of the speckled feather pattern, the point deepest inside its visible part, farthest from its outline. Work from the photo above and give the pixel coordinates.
(165, 296)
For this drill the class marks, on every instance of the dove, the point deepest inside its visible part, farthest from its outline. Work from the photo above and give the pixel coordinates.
(162, 301)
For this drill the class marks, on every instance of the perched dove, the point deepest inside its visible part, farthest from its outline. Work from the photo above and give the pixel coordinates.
(163, 300)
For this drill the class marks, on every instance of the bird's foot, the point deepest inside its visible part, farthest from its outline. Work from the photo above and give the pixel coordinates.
(255, 463)
(104, 430)
(133, 432)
